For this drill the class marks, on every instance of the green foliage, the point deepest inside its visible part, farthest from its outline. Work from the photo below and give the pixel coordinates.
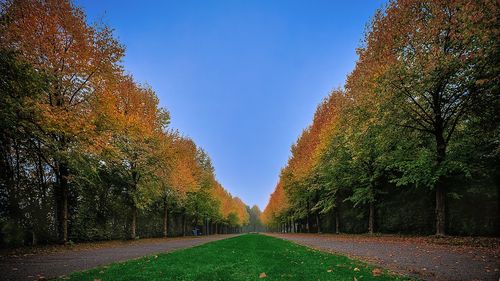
(86, 152)
(418, 114)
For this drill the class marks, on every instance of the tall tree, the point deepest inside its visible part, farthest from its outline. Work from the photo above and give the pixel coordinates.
(54, 37)
(134, 144)
(444, 59)
(23, 178)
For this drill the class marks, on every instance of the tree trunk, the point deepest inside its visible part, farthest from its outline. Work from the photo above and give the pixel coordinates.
(318, 223)
(440, 188)
(184, 224)
(371, 218)
(133, 224)
(307, 224)
(337, 221)
(440, 209)
(34, 240)
(165, 217)
(62, 202)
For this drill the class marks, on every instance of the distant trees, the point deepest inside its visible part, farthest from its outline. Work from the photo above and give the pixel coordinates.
(86, 150)
(407, 118)
(255, 224)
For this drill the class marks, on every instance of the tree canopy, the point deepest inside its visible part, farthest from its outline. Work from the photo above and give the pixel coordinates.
(418, 115)
(88, 152)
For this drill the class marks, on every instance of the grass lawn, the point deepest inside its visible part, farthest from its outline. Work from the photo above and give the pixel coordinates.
(245, 257)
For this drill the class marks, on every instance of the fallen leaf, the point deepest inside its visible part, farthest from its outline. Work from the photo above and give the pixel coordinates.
(355, 279)
(262, 275)
(376, 272)
(356, 269)
(329, 270)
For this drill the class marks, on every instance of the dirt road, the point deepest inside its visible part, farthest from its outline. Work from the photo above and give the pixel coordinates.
(60, 263)
(412, 257)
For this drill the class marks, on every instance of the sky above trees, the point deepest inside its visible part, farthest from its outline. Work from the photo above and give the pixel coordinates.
(242, 78)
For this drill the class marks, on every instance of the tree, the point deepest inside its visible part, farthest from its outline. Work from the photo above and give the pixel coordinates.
(442, 56)
(255, 223)
(166, 155)
(426, 77)
(55, 39)
(85, 149)
(276, 207)
(133, 152)
(23, 179)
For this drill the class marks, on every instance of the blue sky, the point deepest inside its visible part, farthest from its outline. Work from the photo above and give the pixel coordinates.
(242, 78)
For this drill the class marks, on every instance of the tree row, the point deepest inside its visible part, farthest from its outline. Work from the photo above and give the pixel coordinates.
(86, 152)
(410, 143)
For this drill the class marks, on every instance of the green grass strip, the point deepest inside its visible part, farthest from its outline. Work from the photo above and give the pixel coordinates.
(245, 257)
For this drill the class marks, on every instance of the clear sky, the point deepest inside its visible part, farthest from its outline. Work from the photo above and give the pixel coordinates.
(240, 77)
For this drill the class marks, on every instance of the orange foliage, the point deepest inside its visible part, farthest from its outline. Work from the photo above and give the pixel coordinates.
(276, 205)
(306, 152)
(230, 205)
(314, 139)
(184, 176)
(54, 37)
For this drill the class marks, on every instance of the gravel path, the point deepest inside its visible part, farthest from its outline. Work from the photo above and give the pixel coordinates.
(411, 257)
(46, 266)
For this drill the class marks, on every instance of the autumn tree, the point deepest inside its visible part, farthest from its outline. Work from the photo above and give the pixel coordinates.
(334, 176)
(86, 149)
(409, 116)
(55, 39)
(443, 62)
(135, 144)
(23, 181)
(166, 156)
(275, 208)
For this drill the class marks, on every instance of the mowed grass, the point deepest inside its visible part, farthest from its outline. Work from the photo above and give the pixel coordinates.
(245, 257)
